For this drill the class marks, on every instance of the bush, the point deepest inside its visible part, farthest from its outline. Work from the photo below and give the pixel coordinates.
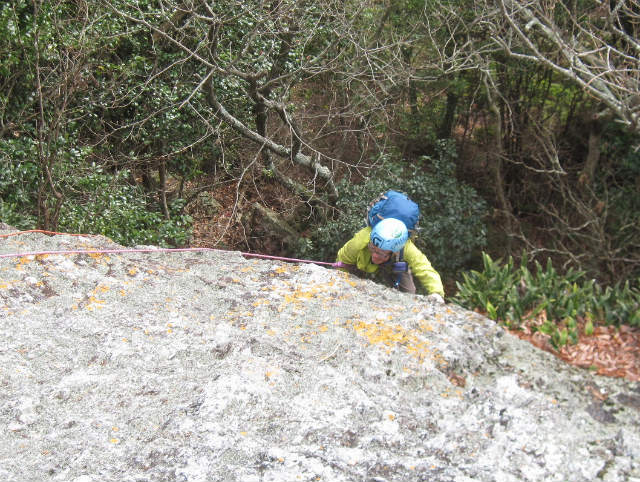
(451, 227)
(18, 180)
(108, 205)
(95, 202)
(514, 295)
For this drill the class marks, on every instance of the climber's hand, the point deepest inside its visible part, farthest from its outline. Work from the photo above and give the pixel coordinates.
(435, 298)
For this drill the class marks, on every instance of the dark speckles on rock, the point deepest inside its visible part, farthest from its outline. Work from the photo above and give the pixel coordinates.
(47, 291)
(213, 367)
(349, 439)
(599, 413)
(632, 401)
(221, 350)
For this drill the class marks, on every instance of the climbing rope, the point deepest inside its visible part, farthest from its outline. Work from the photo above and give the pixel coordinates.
(337, 264)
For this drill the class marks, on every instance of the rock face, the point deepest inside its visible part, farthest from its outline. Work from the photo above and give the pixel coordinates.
(206, 366)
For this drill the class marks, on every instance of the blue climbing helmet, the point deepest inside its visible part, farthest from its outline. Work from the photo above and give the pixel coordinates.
(389, 234)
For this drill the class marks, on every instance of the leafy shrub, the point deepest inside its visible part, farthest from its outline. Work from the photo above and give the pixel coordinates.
(95, 202)
(108, 205)
(451, 228)
(515, 295)
(18, 180)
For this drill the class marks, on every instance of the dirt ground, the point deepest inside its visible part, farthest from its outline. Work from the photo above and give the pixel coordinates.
(610, 351)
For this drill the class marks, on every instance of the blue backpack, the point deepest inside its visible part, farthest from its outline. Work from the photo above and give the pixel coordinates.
(394, 204)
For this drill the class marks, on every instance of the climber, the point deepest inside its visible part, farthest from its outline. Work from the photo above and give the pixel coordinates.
(387, 249)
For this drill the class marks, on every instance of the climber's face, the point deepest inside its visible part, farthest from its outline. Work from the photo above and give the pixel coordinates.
(379, 256)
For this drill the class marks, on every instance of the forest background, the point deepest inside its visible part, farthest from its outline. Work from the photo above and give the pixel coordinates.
(269, 126)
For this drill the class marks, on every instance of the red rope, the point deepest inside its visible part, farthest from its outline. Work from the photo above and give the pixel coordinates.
(144, 250)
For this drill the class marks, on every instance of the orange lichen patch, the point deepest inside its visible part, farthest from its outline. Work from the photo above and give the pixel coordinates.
(425, 326)
(380, 333)
(237, 316)
(391, 336)
(21, 262)
(298, 296)
(94, 303)
(393, 309)
(455, 393)
(101, 257)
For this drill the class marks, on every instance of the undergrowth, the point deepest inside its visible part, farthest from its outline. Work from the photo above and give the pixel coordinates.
(558, 305)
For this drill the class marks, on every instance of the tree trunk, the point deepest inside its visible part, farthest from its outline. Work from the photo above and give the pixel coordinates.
(446, 126)
(593, 155)
(162, 172)
(495, 165)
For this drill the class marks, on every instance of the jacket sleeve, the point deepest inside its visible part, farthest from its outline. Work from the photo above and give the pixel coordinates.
(421, 268)
(355, 251)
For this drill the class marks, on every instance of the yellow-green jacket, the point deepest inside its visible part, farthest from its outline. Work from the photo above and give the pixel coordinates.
(356, 252)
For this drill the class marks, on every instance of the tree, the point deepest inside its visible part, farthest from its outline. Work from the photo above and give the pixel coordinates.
(44, 78)
(250, 64)
(567, 72)
(593, 43)
(246, 57)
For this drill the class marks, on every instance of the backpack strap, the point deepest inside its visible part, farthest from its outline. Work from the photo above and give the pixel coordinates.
(398, 267)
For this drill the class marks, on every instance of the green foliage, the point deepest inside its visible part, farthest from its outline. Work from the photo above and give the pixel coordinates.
(108, 205)
(95, 202)
(515, 295)
(451, 225)
(18, 181)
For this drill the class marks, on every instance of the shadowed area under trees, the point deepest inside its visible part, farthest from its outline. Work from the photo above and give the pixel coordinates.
(265, 126)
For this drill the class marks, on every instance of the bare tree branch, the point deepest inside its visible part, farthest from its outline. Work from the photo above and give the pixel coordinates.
(585, 51)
